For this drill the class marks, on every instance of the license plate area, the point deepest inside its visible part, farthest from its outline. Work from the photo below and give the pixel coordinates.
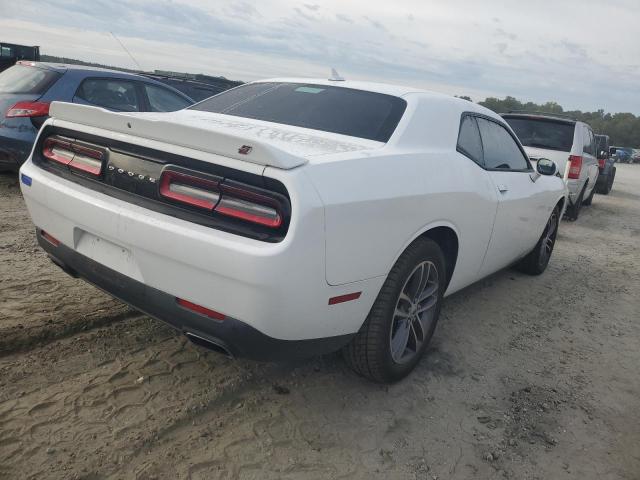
(107, 253)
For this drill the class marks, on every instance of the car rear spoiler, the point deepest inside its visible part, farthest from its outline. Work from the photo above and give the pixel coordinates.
(208, 139)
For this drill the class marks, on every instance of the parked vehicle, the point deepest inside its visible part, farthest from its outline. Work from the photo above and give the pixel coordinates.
(606, 165)
(569, 143)
(10, 53)
(622, 154)
(289, 218)
(28, 88)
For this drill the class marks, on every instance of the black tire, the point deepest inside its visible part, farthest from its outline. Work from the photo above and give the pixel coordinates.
(370, 352)
(609, 186)
(537, 260)
(601, 186)
(573, 211)
(589, 199)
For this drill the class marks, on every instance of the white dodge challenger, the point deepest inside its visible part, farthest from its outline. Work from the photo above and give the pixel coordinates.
(293, 217)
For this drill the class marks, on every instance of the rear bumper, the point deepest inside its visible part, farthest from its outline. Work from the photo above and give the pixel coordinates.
(277, 289)
(16, 142)
(235, 337)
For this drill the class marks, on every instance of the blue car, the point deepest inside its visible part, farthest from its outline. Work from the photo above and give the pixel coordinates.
(27, 89)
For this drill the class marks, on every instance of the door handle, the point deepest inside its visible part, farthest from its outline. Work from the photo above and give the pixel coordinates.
(502, 188)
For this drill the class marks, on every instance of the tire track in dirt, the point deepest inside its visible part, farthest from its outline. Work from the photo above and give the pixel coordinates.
(39, 302)
(527, 378)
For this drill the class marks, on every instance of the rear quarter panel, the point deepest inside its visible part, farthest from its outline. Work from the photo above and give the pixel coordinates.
(376, 206)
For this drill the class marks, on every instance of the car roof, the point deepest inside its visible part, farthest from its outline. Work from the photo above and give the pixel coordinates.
(539, 116)
(81, 70)
(384, 88)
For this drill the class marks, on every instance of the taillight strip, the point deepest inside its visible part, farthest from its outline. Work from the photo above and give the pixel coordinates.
(189, 189)
(250, 211)
(66, 151)
(86, 164)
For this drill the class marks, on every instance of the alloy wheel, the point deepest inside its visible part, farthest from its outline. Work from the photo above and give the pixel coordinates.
(414, 312)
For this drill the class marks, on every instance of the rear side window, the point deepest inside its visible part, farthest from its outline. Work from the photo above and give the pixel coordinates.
(501, 152)
(589, 142)
(110, 93)
(542, 133)
(469, 142)
(24, 79)
(163, 100)
(346, 111)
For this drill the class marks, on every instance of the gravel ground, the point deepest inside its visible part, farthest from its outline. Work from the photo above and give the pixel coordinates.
(527, 378)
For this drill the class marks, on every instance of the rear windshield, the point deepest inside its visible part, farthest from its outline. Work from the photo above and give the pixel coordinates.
(602, 143)
(540, 133)
(346, 111)
(25, 79)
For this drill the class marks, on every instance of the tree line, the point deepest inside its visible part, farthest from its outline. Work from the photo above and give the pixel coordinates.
(623, 128)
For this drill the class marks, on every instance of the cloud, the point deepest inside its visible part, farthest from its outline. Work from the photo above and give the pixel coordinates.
(375, 24)
(344, 18)
(531, 51)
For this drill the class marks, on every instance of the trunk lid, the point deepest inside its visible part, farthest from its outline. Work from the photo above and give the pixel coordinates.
(249, 140)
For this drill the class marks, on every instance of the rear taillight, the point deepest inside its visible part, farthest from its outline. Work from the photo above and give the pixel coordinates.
(601, 162)
(28, 109)
(245, 204)
(575, 166)
(229, 198)
(76, 156)
(58, 149)
(190, 189)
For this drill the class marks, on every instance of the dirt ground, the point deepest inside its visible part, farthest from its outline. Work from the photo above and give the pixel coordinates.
(527, 378)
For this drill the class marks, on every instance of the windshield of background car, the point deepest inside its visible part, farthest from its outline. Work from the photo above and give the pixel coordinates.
(24, 79)
(346, 111)
(538, 133)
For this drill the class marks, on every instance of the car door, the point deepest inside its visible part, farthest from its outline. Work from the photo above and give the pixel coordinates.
(117, 94)
(524, 198)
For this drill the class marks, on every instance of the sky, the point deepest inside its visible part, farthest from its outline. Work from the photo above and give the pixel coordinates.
(583, 54)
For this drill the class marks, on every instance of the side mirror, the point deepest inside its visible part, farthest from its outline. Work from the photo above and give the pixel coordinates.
(603, 154)
(546, 167)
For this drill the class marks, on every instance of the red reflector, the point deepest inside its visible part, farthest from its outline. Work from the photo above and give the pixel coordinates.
(601, 162)
(200, 309)
(344, 298)
(49, 238)
(575, 166)
(28, 109)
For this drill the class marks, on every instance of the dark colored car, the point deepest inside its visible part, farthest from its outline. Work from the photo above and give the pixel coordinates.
(606, 165)
(27, 89)
(10, 53)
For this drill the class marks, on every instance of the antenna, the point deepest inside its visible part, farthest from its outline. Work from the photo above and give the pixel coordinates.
(335, 76)
(125, 49)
